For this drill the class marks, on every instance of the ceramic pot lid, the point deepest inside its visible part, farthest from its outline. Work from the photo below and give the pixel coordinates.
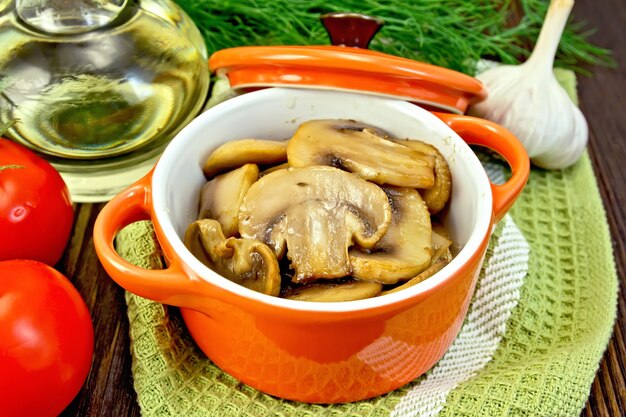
(347, 66)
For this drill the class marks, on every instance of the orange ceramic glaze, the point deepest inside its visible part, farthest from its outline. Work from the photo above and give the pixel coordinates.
(304, 351)
(490, 135)
(296, 357)
(346, 68)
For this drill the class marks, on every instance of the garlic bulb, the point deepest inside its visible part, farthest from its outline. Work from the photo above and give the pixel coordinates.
(528, 100)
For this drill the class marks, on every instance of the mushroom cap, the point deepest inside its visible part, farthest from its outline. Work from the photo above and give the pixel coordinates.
(315, 214)
(441, 244)
(437, 196)
(405, 249)
(357, 147)
(236, 153)
(441, 257)
(221, 197)
(422, 276)
(273, 168)
(245, 261)
(335, 291)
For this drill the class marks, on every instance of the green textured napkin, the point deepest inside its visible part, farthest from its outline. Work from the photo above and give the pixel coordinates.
(537, 327)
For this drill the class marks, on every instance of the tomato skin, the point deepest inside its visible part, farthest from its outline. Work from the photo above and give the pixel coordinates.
(36, 212)
(46, 345)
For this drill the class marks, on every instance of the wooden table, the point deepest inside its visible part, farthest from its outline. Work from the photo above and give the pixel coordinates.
(108, 390)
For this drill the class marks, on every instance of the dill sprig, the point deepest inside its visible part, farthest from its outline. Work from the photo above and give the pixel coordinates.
(451, 33)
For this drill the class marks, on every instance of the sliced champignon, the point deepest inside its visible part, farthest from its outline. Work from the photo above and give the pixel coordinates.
(221, 197)
(334, 292)
(357, 148)
(441, 243)
(427, 273)
(405, 249)
(273, 168)
(314, 214)
(441, 257)
(438, 195)
(245, 261)
(236, 153)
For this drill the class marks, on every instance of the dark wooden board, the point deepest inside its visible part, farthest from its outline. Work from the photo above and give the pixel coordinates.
(108, 390)
(602, 101)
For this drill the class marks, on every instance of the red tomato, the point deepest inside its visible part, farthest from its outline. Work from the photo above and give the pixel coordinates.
(46, 340)
(36, 212)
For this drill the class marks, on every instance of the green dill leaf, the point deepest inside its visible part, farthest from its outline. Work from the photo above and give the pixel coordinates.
(452, 33)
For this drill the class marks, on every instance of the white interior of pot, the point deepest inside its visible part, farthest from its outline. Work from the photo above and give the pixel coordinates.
(275, 114)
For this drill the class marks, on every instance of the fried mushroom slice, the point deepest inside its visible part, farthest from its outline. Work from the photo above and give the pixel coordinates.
(357, 148)
(427, 273)
(441, 257)
(314, 215)
(335, 292)
(441, 243)
(221, 197)
(245, 261)
(273, 168)
(437, 196)
(239, 152)
(405, 249)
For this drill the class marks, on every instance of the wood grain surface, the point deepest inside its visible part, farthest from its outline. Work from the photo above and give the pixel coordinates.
(108, 390)
(603, 103)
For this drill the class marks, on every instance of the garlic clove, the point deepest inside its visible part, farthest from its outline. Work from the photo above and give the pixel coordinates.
(572, 142)
(509, 104)
(528, 100)
(552, 129)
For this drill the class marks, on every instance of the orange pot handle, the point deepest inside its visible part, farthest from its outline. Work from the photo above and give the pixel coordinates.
(167, 286)
(482, 132)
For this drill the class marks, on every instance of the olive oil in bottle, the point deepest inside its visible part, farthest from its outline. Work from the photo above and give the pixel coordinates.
(98, 85)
